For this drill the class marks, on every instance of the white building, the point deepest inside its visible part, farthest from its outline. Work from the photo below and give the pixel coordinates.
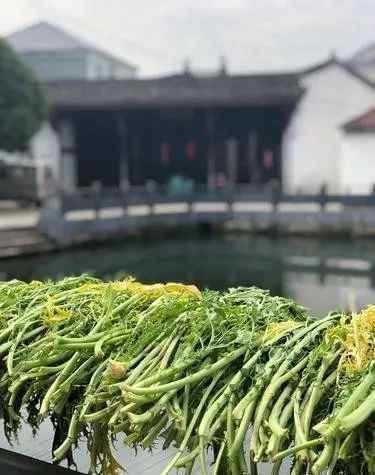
(334, 94)
(315, 149)
(55, 54)
(357, 158)
(364, 61)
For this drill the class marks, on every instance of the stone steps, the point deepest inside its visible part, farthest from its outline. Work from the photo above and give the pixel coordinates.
(20, 241)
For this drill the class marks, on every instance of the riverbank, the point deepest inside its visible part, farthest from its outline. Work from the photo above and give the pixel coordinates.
(320, 273)
(30, 231)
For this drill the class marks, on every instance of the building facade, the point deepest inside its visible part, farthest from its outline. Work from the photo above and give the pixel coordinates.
(357, 157)
(55, 54)
(205, 129)
(109, 127)
(364, 62)
(333, 95)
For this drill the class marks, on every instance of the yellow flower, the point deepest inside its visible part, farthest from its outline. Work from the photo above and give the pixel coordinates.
(273, 330)
(156, 290)
(358, 340)
(55, 314)
(192, 290)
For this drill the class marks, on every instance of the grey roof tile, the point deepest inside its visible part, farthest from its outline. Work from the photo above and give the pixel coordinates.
(177, 90)
(44, 37)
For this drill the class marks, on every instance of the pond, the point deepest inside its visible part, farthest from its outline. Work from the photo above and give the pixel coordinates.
(321, 274)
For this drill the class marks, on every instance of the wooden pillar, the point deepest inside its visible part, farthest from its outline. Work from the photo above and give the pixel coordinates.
(254, 175)
(211, 159)
(122, 131)
(232, 160)
(136, 156)
(67, 170)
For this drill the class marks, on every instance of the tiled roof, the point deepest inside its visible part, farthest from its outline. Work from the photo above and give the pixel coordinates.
(364, 56)
(185, 89)
(363, 123)
(346, 66)
(45, 37)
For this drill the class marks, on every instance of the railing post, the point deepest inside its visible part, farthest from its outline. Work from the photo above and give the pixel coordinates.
(372, 275)
(211, 152)
(52, 218)
(151, 189)
(151, 203)
(96, 189)
(122, 132)
(190, 202)
(230, 199)
(323, 197)
(322, 270)
(124, 201)
(276, 192)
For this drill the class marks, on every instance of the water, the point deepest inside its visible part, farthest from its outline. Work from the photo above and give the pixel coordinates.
(321, 274)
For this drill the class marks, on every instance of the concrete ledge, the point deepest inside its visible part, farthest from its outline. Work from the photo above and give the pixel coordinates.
(12, 463)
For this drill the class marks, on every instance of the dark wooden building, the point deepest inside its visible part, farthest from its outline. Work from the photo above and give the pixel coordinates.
(207, 129)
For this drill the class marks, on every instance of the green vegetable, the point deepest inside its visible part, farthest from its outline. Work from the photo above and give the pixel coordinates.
(242, 375)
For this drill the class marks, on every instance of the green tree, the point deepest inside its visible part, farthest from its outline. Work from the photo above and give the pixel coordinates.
(22, 103)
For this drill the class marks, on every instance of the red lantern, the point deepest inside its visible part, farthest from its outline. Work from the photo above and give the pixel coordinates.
(268, 159)
(165, 153)
(191, 150)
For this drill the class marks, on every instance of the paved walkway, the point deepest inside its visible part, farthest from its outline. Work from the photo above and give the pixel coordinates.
(18, 218)
(18, 231)
(12, 217)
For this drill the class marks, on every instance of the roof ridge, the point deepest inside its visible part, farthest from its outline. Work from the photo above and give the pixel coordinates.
(361, 51)
(53, 27)
(73, 42)
(358, 123)
(333, 59)
(212, 92)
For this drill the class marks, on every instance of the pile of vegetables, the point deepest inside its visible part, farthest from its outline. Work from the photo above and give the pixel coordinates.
(230, 379)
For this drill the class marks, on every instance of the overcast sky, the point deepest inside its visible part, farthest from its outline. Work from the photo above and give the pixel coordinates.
(253, 35)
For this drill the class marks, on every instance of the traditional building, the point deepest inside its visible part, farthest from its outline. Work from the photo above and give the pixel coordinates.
(364, 62)
(110, 127)
(55, 54)
(133, 131)
(334, 94)
(357, 167)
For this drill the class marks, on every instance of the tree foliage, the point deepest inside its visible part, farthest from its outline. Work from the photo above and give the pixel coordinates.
(22, 102)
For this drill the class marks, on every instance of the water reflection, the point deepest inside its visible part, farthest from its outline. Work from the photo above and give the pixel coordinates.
(144, 462)
(322, 274)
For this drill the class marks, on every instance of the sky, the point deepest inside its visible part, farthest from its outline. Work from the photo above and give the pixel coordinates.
(252, 35)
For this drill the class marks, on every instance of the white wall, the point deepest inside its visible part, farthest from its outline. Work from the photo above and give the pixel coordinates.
(45, 150)
(122, 72)
(102, 67)
(357, 163)
(56, 150)
(98, 67)
(312, 141)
